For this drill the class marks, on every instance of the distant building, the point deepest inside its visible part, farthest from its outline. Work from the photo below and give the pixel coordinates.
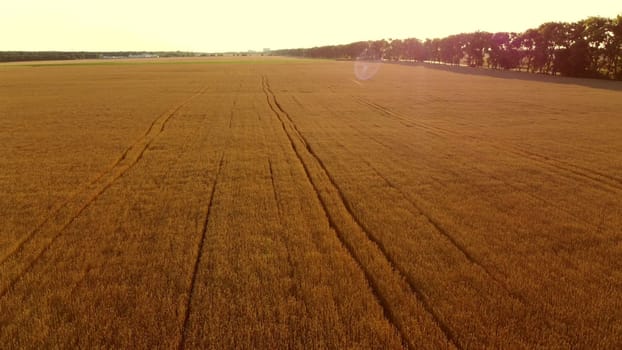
(266, 50)
(140, 55)
(143, 55)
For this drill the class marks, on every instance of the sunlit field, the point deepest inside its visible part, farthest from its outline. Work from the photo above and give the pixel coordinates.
(270, 203)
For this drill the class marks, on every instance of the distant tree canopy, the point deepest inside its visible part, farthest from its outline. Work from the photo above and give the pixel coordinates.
(16, 56)
(588, 48)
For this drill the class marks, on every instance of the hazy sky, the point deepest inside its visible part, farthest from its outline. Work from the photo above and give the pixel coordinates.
(223, 25)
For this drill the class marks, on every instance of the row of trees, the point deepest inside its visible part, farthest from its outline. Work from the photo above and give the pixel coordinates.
(588, 48)
(15, 56)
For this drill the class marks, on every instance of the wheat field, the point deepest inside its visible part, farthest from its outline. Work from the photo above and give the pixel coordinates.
(282, 203)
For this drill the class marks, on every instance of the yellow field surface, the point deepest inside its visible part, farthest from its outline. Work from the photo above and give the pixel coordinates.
(274, 203)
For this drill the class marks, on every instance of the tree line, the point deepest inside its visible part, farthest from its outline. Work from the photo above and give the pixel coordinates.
(588, 48)
(16, 56)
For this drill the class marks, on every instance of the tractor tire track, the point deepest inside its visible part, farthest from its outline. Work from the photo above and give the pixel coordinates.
(123, 156)
(603, 180)
(190, 141)
(274, 100)
(276, 199)
(356, 253)
(419, 210)
(572, 217)
(31, 248)
(524, 154)
(199, 256)
(488, 174)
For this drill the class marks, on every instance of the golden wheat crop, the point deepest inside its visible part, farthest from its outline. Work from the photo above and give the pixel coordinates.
(281, 203)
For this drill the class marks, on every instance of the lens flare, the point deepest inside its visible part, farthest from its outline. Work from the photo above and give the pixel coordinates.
(366, 66)
(364, 70)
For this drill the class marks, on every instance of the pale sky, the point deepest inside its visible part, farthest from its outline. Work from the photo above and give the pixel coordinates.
(235, 25)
